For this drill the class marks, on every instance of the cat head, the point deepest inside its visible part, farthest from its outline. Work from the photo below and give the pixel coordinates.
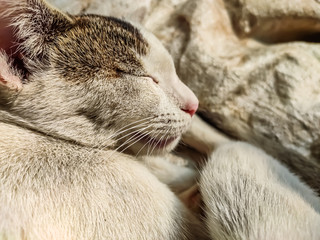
(96, 80)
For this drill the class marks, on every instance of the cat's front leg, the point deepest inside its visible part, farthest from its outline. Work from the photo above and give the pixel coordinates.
(177, 175)
(203, 137)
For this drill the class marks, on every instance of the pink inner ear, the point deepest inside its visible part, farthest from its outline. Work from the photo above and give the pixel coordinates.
(8, 76)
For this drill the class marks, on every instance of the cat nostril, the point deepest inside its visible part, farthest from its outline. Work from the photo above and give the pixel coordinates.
(191, 112)
(191, 109)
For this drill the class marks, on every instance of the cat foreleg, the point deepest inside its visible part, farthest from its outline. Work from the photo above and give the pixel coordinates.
(203, 137)
(178, 177)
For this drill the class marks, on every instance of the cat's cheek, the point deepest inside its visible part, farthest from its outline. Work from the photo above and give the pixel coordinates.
(151, 93)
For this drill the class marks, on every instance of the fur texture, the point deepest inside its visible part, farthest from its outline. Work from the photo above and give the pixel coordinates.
(89, 87)
(247, 194)
(76, 92)
(64, 191)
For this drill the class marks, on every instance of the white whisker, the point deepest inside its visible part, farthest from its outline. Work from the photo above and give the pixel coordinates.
(141, 137)
(126, 142)
(154, 140)
(131, 138)
(161, 139)
(138, 126)
(122, 130)
(144, 144)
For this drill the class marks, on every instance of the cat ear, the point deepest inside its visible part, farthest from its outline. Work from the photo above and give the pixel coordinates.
(28, 26)
(10, 78)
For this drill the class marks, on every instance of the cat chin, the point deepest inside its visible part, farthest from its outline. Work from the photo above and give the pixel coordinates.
(153, 147)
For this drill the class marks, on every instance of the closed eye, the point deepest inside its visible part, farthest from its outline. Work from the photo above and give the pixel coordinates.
(121, 72)
(152, 78)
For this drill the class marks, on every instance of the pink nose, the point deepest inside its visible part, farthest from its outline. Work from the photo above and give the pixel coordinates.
(191, 109)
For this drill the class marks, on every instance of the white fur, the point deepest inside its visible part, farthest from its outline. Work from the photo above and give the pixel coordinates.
(93, 197)
(178, 178)
(248, 194)
(62, 177)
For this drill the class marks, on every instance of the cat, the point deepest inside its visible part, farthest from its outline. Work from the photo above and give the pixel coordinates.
(74, 90)
(78, 91)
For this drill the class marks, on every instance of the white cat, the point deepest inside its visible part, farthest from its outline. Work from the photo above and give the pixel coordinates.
(75, 92)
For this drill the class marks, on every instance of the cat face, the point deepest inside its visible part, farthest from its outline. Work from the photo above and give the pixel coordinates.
(96, 80)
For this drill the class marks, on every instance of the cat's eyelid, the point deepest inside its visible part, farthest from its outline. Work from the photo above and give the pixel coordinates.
(153, 79)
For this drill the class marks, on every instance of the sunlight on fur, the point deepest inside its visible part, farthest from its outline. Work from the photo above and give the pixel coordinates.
(91, 111)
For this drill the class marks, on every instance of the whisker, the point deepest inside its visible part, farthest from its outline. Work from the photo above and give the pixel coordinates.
(153, 145)
(144, 144)
(122, 130)
(168, 130)
(132, 137)
(123, 144)
(147, 118)
(150, 141)
(137, 140)
(157, 142)
(140, 125)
